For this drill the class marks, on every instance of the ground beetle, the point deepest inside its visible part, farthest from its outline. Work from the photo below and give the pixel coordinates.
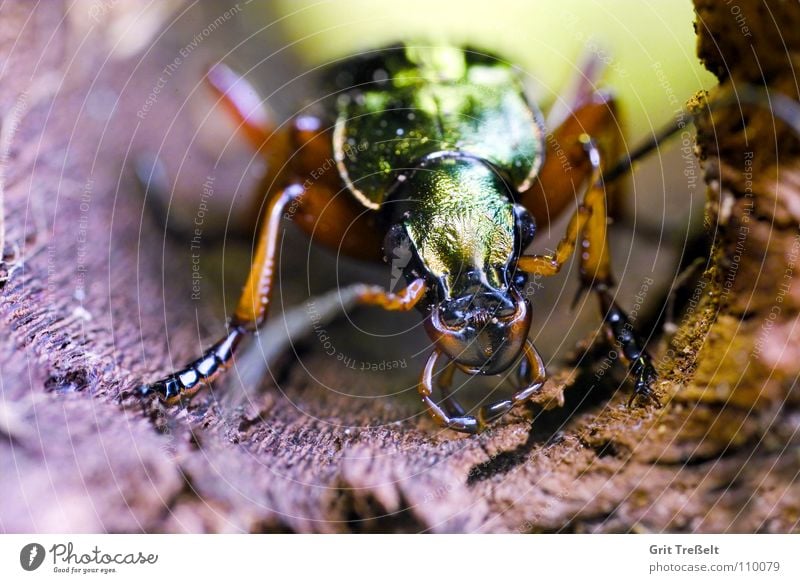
(435, 151)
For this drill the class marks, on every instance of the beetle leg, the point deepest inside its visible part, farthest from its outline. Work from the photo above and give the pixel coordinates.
(402, 301)
(551, 264)
(300, 147)
(620, 332)
(589, 229)
(531, 372)
(595, 256)
(251, 310)
(567, 168)
(187, 381)
(256, 123)
(595, 271)
(589, 220)
(580, 89)
(253, 119)
(243, 103)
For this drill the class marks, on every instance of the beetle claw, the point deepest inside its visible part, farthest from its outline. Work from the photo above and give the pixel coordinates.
(168, 389)
(643, 388)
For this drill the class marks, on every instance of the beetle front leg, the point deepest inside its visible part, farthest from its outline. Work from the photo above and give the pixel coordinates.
(403, 301)
(251, 310)
(588, 230)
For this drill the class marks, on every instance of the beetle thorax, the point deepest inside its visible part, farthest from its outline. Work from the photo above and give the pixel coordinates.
(461, 223)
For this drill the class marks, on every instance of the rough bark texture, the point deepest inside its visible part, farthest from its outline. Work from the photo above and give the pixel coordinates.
(85, 322)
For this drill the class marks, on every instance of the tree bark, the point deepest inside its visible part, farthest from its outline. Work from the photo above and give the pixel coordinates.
(91, 297)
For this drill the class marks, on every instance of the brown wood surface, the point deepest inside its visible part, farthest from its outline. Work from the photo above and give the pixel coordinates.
(85, 322)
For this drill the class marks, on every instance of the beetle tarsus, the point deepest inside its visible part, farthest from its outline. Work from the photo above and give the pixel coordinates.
(645, 375)
(167, 389)
(187, 381)
(631, 349)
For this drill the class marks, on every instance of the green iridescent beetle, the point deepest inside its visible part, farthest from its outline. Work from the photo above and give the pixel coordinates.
(435, 154)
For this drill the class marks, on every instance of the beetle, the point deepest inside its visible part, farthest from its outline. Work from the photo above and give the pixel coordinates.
(435, 150)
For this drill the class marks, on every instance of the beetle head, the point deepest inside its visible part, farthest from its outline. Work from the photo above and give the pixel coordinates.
(483, 331)
(463, 233)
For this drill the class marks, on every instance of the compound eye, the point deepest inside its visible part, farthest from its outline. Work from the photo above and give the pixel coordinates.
(519, 279)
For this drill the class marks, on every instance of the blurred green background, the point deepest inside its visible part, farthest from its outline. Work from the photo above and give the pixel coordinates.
(648, 45)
